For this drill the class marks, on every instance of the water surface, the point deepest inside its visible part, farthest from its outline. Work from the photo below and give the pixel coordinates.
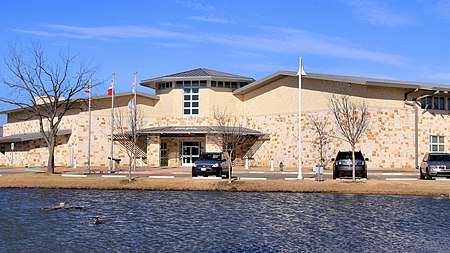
(155, 221)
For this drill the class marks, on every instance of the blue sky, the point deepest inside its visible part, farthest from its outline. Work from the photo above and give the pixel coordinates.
(402, 39)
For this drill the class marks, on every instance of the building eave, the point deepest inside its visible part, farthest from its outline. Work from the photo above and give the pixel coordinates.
(121, 94)
(346, 79)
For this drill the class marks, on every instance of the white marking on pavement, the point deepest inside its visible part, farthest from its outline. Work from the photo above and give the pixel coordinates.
(161, 177)
(256, 172)
(72, 175)
(114, 176)
(182, 173)
(442, 178)
(401, 179)
(313, 173)
(289, 173)
(253, 178)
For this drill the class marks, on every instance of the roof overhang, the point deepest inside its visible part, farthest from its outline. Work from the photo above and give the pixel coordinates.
(116, 95)
(346, 79)
(199, 130)
(266, 80)
(30, 136)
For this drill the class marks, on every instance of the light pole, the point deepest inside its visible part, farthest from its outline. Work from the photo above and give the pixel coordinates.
(300, 73)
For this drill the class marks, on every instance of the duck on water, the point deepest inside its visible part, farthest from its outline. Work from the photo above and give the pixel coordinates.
(62, 206)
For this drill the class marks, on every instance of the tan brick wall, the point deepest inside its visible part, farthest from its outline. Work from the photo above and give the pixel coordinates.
(389, 142)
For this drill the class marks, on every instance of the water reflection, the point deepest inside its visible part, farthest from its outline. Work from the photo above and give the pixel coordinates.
(143, 221)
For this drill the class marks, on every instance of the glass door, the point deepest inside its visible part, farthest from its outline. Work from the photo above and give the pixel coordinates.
(190, 151)
(163, 154)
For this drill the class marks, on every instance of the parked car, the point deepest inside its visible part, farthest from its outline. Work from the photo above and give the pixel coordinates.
(211, 163)
(343, 165)
(435, 164)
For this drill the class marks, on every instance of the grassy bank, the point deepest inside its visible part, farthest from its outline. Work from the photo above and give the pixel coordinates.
(418, 188)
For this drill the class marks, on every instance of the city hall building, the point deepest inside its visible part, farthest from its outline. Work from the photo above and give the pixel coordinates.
(407, 119)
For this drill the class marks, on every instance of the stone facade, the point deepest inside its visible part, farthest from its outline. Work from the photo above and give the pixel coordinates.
(271, 109)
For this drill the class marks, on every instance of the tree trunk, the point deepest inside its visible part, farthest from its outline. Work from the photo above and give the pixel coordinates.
(51, 155)
(353, 164)
(229, 166)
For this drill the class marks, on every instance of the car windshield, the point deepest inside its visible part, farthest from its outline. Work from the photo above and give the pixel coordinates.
(348, 155)
(210, 156)
(440, 158)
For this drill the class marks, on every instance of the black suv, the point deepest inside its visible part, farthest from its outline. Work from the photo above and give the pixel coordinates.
(343, 166)
(211, 163)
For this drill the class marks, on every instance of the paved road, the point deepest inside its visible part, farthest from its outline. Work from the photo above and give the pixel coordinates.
(241, 174)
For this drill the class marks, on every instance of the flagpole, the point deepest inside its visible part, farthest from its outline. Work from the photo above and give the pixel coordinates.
(89, 124)
(300, 70)
(134, 121)
(112, 124)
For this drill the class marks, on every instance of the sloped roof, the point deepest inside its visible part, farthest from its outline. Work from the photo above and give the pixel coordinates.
(198, 130)
(196, 74)
(202, 72)
(347, 79)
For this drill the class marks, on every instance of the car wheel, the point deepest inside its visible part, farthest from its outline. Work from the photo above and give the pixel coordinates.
(219, 173)
(194, 175)
(225, 175)
(427, 175)
(421, 174)
(334, 176)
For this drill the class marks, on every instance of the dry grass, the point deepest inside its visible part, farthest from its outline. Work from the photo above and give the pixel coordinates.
(423, 188)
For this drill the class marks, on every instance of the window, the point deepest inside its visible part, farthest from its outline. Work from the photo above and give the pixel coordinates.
(191, 101)
(425, 103)
(242, 84)
(437, 143)
(439, 103)
(435, 103)
(213, 84)
(164, 85)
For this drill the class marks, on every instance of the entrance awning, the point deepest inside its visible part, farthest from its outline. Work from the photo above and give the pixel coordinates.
(199, 130)
(30, 136)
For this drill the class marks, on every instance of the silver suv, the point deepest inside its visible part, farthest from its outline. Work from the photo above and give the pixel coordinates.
(435, 164)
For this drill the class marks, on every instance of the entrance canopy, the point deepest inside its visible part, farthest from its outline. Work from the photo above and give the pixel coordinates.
(198, 130)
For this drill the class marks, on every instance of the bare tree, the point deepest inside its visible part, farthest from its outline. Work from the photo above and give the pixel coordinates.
(230, 134)
(44, 89)
(322, 139)
(125, 130)
(352, 120)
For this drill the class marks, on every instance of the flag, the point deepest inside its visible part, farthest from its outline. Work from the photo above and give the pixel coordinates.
(134, 85)
(131, 105)
(110, 90)
(88, 90)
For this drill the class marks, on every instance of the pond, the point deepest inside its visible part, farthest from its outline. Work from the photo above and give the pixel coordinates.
(170, 221)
